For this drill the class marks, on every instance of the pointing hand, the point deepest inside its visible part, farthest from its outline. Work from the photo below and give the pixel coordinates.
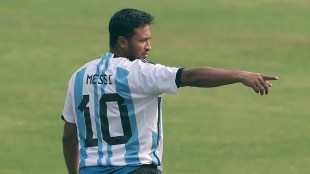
(259, 82)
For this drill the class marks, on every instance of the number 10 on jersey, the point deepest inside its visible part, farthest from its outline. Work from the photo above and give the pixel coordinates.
(103, 117)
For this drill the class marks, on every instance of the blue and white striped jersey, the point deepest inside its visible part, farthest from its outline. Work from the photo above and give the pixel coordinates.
(116, 105)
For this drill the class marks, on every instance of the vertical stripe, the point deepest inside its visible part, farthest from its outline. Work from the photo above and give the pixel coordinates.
(122, 88)
(159, 125)
(156, 137)
(96, 112)
(78, 95)
(107, 58)
(153, 155)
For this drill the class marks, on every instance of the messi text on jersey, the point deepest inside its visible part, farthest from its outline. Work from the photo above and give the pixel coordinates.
(98, 79)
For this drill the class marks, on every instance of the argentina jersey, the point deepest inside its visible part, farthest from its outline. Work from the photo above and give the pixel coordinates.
(116, 106)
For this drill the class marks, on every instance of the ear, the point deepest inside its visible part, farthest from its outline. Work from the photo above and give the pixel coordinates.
(122, 42)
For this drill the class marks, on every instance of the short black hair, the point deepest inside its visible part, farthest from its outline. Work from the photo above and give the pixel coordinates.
(123, 23)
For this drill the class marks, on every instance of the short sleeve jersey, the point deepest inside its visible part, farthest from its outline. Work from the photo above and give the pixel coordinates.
(116, 105)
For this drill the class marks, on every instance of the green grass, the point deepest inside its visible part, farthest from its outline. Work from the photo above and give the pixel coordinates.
(222, 130)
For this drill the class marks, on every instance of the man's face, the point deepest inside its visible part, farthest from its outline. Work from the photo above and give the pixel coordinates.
(139, 45)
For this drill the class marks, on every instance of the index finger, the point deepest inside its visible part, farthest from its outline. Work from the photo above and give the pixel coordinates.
(266, 77)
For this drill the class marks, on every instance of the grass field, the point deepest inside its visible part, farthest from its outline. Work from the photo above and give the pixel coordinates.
(207, 131)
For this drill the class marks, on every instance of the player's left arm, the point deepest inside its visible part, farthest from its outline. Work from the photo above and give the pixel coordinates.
(213, 77)
(70, 147)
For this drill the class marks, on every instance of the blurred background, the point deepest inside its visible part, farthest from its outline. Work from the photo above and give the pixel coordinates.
(221, 130)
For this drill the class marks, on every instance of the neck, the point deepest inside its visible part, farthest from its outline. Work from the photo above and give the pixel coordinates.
(117, 52)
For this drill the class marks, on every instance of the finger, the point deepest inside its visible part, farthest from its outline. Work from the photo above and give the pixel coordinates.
(261, 91)
(266, 77)
(269, 84)
(255, 88)
(260, 88)
(264, 85)
(266, 89)
(257, 91)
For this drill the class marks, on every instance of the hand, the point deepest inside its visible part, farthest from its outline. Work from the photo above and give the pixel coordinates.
(259, 82)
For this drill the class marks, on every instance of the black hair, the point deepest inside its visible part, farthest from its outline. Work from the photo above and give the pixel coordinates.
(123, 23)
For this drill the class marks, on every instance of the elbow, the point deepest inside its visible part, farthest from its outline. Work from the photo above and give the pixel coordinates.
(69, 138)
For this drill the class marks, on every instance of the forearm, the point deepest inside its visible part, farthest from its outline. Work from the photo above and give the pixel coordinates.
(71, 154)
(71, 148)
(209, 77)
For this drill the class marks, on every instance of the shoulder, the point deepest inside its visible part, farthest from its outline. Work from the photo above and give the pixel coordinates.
(83, 68)
(147, 61)
(137, 65)
(144, 67)
(87, 65)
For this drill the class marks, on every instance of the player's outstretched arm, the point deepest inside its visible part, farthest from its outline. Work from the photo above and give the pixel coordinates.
(70, 147)
(213, 77)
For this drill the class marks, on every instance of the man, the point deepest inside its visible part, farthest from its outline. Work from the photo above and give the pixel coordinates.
(112, 113)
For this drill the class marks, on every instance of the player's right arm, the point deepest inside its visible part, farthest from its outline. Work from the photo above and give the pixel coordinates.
(71, 147)
(212, 77)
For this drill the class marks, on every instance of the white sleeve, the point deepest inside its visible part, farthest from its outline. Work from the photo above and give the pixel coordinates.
(158, 79)
(68, 112)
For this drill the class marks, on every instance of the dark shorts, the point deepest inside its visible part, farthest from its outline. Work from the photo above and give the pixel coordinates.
(146, 169)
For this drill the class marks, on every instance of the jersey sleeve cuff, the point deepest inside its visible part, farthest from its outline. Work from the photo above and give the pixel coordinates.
(63, 118)
(178, 77)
